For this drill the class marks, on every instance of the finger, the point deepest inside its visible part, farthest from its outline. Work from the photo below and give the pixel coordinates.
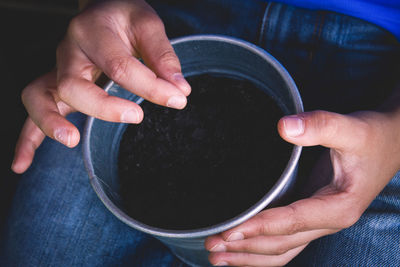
(157, 53)
(265, 245)
(43, 111)
(324, 128)
(247, 259)
(76, 88)
(326, 210)
(29, 140)
(115, 58)
(90, 99)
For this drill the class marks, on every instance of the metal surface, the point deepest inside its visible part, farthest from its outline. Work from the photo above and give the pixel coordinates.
(198, 54)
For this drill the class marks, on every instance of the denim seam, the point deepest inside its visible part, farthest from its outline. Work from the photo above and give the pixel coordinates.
(264, 22)
(316, 35)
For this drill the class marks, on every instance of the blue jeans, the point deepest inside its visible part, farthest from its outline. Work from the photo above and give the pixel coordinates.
(339, 63)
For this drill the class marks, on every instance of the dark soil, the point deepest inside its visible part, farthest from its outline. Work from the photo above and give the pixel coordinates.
(204, 164)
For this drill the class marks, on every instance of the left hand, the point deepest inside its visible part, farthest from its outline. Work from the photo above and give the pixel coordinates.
(364, 156)
(107, 37)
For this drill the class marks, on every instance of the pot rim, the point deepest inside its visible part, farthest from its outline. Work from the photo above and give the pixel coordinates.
(242, 217)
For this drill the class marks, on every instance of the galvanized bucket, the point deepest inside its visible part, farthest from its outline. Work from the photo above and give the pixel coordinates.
(198, 54)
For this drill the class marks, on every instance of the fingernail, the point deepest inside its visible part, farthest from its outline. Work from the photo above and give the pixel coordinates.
(218, 248)
(176, 101)
(130, 116)
(181, 82)
(62, 135)
(221, 263)
(293, 126)
(235, 236)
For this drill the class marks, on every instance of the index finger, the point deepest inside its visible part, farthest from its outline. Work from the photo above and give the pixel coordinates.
(331, 211)
(75, 88)
(115, 58)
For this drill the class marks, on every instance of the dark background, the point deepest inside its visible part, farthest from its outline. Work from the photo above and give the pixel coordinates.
(30, 32)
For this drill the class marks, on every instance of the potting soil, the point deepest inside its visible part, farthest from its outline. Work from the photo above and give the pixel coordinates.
(205, 164)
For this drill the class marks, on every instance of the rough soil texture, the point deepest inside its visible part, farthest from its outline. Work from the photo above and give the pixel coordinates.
(196, 167)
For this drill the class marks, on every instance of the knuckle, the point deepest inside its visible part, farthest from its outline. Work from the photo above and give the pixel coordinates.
(326, 121)
(76, 27)
(64, 87)
(149, 22)
(245, 246)
(295, 224)
(118, 67)
(169, 58)
(262, 225)
(46, 123)
(155, 21)
(151, 93)
(295, 227)
(264, 229)
(283, 221)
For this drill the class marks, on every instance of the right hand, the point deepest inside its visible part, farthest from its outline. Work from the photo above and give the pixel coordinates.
(107, 37)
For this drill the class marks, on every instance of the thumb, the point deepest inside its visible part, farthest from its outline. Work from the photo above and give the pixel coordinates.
(320, 128)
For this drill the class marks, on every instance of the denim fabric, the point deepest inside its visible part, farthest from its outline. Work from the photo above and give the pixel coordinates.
(373, 241)
(386, 13)
(339, 63)
(58, 220)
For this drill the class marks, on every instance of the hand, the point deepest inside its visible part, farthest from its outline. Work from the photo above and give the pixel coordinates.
(107, 37)
(364, 156)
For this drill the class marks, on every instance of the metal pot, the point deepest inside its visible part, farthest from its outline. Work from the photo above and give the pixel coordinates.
(198, 54)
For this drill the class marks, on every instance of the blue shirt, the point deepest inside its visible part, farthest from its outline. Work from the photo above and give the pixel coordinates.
(384, 13)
